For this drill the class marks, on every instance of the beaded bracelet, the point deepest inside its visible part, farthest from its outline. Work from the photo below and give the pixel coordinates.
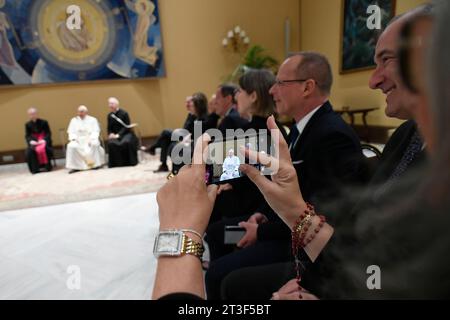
(299, 232)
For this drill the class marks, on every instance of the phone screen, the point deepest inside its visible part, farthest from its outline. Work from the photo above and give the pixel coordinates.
(224, 157)
(233, 234)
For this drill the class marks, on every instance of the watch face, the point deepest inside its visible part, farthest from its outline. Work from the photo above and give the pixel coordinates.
(168, 243)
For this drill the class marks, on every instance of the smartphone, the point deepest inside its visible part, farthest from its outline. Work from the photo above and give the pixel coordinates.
(233, 234)
(224, 157)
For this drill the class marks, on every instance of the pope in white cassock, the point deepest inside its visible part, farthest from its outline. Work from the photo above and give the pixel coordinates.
(84, 151)
(230, 166)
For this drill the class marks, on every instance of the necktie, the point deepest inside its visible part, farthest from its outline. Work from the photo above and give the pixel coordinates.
(293, 136)
(414, 147)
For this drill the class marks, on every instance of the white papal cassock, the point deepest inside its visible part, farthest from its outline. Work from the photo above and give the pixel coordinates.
(84, 150)
(230, 168)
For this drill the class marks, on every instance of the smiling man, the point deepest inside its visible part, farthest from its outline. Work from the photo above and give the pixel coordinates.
(405, 149)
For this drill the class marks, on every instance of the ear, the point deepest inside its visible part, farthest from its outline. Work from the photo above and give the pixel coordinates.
(310, 86)
(253, 97)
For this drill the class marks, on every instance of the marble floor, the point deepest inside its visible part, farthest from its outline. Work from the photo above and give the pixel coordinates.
(100, 249)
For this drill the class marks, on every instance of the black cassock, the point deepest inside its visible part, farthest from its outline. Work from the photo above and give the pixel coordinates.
(40, 126)
(123, 151)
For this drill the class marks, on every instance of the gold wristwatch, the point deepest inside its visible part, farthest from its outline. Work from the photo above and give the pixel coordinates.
(176, 243)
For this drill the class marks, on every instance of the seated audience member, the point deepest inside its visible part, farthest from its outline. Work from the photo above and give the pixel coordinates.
(39, 143)
(196, 106)
(122, 142)
(84, 151)
(403, 153)
(225, 109)
(212, 119)
(326, 153)
(230, 166)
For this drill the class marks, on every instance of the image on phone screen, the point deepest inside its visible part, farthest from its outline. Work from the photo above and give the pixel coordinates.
(224, 157)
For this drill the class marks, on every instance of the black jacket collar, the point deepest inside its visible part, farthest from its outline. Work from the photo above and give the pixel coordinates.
(326, 108)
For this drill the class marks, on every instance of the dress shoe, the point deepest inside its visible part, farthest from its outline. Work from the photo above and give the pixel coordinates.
(162, 168)
(151, 150)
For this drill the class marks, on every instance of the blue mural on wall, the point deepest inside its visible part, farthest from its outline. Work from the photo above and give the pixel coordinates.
(117, 39)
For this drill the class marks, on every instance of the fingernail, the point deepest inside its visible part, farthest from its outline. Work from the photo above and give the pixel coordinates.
(300, 296)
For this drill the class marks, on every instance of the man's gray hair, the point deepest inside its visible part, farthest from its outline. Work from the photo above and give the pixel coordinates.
(424, 9)
(314, 65)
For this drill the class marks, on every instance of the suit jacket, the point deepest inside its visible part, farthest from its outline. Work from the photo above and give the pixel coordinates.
(114, 126)
(327, 157)
(211, 121)
(189, 123)
(394, 150)
(232, 121)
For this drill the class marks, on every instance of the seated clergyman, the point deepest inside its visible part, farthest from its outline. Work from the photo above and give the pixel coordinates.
(39, 143)
(122, 142)
(84, 151)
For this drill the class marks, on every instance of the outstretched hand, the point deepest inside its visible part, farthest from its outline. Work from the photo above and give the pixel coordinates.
(282, 193)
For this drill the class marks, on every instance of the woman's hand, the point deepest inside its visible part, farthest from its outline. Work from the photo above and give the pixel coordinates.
(184, 201)
(224, 187)
(283, 192)
(293, 291)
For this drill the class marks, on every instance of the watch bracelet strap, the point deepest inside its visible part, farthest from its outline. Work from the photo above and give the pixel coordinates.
(192, 247)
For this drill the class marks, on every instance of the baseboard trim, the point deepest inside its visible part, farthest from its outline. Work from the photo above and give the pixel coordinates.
(18, 156)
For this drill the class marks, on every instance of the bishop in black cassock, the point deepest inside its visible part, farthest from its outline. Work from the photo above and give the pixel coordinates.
(38, 136)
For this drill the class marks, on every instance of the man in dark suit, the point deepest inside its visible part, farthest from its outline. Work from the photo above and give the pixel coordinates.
(225, 114)
(395, 150)
(122, 142)
(39, 150)
(326, 153)
(405, 149)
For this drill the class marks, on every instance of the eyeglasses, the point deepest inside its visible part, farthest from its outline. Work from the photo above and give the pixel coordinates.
(282, 82)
